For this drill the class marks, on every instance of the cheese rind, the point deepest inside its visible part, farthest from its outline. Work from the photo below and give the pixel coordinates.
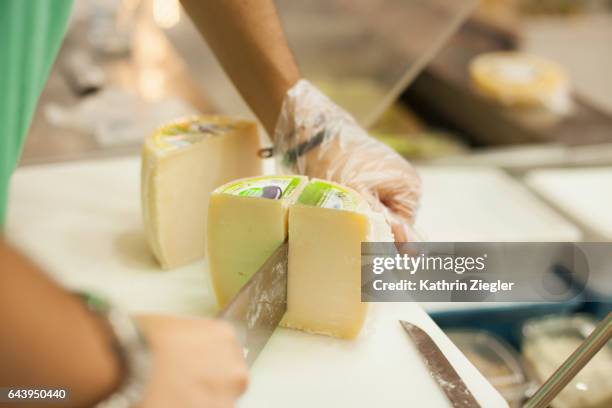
(247, 223)
(326, 229)
(182, 163)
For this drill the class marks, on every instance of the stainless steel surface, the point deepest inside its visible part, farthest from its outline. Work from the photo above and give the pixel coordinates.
(572, 366)
(260, 305)
(582, 45)
(440, 369)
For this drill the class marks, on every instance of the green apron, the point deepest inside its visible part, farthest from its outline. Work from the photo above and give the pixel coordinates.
(31, 32)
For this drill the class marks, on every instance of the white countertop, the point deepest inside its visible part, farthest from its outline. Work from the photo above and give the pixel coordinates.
(81, 222)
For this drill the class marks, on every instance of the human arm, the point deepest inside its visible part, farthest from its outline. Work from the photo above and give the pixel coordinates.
(248, 40)
(46, 332)
(49, 338)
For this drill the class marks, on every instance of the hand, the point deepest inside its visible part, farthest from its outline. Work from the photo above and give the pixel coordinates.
(196, 363)
(347, 155)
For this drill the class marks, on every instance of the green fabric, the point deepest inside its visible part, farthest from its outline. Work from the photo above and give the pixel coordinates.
(30, 35)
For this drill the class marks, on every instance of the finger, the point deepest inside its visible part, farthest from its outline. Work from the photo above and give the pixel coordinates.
(400, 232)
(404, 232)
(402, 200)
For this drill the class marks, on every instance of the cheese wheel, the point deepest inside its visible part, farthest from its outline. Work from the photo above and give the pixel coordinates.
(182, 163)
(327, 223)
(521, 80)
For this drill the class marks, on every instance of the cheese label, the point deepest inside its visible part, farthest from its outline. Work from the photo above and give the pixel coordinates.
(272, 187)
(319, 193)
(183, 133)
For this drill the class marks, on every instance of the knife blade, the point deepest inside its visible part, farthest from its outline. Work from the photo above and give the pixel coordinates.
(440, 368)
(259, 306)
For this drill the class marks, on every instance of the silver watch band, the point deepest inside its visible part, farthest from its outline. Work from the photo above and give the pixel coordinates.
(132, 350)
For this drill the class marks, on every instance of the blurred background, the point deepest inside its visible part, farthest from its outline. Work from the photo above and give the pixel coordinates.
(510, 100)
(401, 67)
(504, 105)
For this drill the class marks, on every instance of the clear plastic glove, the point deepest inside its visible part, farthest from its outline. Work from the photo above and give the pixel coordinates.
(315, 137)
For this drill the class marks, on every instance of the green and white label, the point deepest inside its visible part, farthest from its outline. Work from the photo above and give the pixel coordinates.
(180, 134)
(319, 193)
(272, 187)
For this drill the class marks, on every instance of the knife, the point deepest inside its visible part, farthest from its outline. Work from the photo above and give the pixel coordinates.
(440, 369)
(259, 306)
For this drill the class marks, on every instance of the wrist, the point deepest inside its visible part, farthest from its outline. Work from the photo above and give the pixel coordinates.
(282, 83)
(130, 352)
(89, 368)
(110, 372)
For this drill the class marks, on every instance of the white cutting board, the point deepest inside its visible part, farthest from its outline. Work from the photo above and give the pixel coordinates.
(484, 204)
(81, 222)
(584, 195)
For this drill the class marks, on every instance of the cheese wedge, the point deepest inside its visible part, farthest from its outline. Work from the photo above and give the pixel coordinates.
(326, 228)
(247, 222)
(182, 163)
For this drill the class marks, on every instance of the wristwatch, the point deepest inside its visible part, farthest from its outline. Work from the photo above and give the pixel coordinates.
(131, 349)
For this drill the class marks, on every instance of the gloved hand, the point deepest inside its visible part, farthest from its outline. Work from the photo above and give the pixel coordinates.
(315, 137)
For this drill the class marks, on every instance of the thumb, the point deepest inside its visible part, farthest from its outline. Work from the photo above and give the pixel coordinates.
(403, 232)
(399, 222)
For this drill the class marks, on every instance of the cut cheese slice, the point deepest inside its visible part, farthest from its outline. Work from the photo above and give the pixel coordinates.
(182, 163)
(326, 229)
(247, 223)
